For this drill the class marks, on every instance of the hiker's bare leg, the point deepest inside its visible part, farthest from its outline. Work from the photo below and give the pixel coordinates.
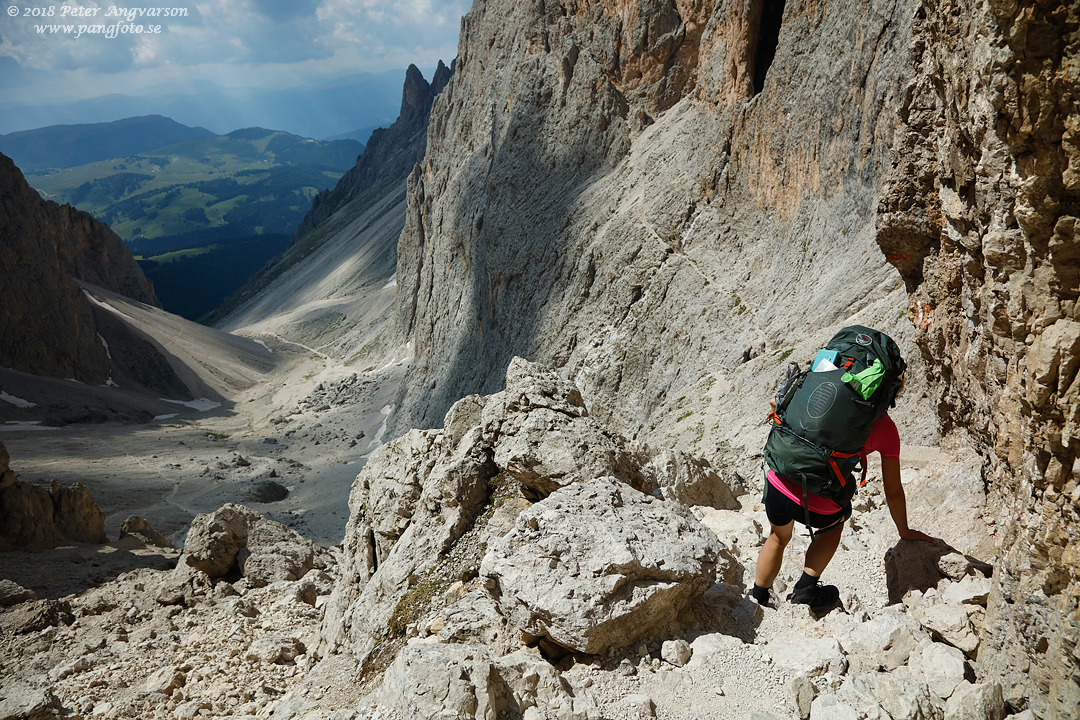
(822, 549)
(771, 556)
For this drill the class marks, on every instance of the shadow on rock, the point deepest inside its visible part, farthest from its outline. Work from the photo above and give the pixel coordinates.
(916, 565)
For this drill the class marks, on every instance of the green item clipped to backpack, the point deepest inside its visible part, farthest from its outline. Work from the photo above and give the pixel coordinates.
(824, 418)
(868, 380)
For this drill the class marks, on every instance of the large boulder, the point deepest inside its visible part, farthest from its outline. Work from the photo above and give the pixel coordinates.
(461, 682)
(236, 538)
(599, 565)
(544, 437)
(38, 518)
(414, 499)
(693, 481)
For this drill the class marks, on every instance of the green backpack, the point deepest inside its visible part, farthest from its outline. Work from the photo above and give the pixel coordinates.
(824, 416)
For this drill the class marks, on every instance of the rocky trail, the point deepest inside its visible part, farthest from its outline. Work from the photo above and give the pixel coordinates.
(459, 593)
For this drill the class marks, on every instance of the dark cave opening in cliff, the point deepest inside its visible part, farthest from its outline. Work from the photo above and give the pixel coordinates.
(768, 37)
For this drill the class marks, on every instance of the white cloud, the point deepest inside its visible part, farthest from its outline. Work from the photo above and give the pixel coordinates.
(260, 42)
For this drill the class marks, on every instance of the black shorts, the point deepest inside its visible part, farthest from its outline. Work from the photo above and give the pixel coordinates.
(781, 510)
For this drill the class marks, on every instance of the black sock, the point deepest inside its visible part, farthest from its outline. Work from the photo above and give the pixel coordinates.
(760, 594)
(805, 581)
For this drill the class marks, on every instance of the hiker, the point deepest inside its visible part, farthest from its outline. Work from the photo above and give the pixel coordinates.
(787, 501)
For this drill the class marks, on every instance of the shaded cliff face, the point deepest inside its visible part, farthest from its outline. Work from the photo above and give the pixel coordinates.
(607, 191)
(390, 153)
(654, 199)
(979, 214)
(45, 320)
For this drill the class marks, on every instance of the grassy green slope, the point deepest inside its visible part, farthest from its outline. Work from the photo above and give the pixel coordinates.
(251, 181)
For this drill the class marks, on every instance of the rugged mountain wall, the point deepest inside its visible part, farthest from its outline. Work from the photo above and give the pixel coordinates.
(46, 322)
(979, 214)
(608, 190)
(390, 153)
(659, 202)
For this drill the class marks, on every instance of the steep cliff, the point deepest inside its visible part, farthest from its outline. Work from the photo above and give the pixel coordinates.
(607, 190)
(390, 153)
(669, 199)
(979, 214)
(46, 322)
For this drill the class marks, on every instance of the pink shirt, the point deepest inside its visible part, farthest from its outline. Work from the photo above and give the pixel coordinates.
(884, 439)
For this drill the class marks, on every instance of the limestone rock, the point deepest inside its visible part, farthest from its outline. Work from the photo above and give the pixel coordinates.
(734, 528)
(886, 641)
(38, 518)
(414, 499)
(677, 652)
(941, 666)
(11, 593)
(976, 702)
(830, 707)
(805, 656)
(22, 702)
(37, 615)
(952, 503)
(235, 537)
(799, 691)
(543, 435)
(951, 623)
(165, 680)
(598, 565)
(48, 323)
(463, 682)
(969, 591)
(139, 527)
(275, 649)
(693, 481)
(901, 696)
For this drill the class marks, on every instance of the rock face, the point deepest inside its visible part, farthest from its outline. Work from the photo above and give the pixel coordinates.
(38, 518)
(978, 213)
(597, 177)
(636, 195)
(237, 539)
(598, 565)
(424, 507)
(48, 325)
(458, 681)
(390, 153)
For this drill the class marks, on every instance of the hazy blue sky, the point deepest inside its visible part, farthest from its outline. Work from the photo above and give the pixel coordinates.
(272, 43)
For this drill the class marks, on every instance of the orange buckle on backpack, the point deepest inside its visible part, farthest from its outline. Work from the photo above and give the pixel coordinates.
(836, 469)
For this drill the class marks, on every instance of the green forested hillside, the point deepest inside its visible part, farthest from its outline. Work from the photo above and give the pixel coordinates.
(192, 282)
(203, 215)
(251, 181)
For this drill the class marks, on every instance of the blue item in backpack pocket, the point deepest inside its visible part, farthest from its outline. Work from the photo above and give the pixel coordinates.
(825, 360)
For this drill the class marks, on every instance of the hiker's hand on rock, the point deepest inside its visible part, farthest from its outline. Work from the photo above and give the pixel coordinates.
(910, 534)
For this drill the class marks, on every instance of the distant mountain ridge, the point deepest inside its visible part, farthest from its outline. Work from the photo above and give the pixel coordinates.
(319, 111)
(250, 181)
(65, 146)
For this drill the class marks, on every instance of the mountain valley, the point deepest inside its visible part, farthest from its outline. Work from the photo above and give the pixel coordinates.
(485, 440)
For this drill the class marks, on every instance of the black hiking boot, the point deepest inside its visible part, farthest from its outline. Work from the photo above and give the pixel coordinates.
(819, 597)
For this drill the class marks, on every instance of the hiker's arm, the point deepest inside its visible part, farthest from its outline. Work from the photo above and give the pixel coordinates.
(894, 496)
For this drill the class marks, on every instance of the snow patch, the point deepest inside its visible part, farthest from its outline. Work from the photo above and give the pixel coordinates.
(265, 346)
(170, 416)
(391, 283)
(16, 425)
(387, 409)
(17, 402)
(202, 404)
